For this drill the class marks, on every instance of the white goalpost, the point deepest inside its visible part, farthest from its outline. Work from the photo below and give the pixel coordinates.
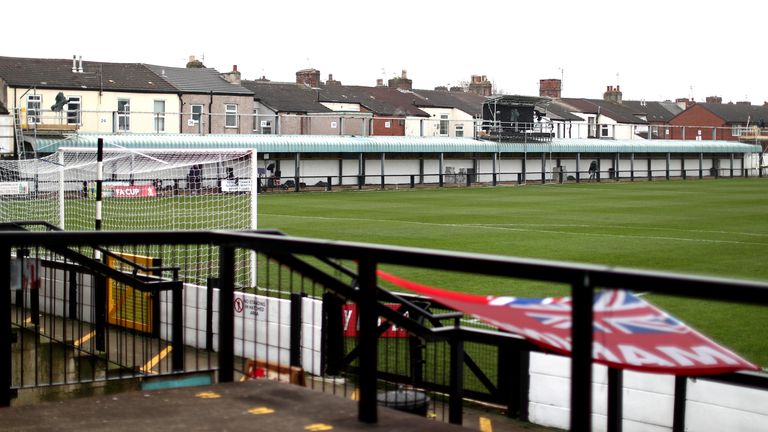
(142, 189)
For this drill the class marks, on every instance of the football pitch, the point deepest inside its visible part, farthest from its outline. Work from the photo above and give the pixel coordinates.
(706, 227)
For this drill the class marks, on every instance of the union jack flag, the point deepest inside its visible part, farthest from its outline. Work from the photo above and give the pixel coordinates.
(628, 332)
(613, 310)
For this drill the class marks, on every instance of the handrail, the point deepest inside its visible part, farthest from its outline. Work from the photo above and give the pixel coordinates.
(142, 286)
(716, 288)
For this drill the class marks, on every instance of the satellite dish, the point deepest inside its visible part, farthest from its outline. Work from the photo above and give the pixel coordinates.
(61, 100)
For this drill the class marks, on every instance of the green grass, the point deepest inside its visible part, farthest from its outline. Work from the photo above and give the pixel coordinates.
(707, 227)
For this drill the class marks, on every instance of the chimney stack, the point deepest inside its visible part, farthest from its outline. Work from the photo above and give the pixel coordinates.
(714, 100)
(402, 83)
(612, 94)
(380, 82)
(232, 77)
(194, 63)
(480, 85)
(308, 77)
(331, 81)
(550, 88)
(74, 64)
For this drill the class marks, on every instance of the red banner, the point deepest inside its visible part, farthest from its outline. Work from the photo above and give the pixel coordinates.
(629, 333)
(132, 191)
(349, 312)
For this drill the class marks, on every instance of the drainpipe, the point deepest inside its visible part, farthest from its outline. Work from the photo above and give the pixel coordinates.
(210, 112)
(181, 113)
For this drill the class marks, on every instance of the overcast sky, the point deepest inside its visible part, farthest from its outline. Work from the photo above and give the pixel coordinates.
(655, 50)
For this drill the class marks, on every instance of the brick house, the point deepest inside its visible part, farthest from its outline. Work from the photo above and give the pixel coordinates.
(716, 121)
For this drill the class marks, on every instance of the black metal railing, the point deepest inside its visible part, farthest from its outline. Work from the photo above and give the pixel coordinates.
(267, 321)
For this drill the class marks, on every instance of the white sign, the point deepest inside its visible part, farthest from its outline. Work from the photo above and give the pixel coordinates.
(387, 124)
(14, 188)
(236, 185)
(333, 125)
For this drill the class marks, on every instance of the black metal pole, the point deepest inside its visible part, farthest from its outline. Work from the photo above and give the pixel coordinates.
(456, 384)
(226, 314)
(332, 335)
(513, 379)
(367, 341)
(100, 282)
(581, 356)
(72, 294)
(5, 326)
(177, 331)
(212, 283)
(99, 180)
(615, 399)
(678, 414)
(296, 301)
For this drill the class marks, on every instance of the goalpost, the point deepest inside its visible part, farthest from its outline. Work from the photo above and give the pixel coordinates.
(143, 189)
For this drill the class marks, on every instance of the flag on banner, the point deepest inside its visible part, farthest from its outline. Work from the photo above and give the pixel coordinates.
(629, 333)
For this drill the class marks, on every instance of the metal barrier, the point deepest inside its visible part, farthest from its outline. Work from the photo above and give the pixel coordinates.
(295, 321)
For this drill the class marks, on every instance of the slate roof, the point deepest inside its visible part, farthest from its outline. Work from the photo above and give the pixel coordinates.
(198, 80)
(470, 103)
(738, 113)
(557, 111)
(57, 74)
(617, 112)
(286, 97)
(383, 101)
(654, 112)
(3, 109)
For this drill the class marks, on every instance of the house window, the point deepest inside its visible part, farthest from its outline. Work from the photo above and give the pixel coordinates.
(266, 127)
(230, 115)
(196, 113)
(443, 124)
(123, 115)
(460, 130)
(604, 131)
(159, 116)
(73, 110)
(34, 102)
(592, 129)
(737, 130)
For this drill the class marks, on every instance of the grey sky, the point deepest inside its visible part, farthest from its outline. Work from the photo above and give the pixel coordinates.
(655, 50)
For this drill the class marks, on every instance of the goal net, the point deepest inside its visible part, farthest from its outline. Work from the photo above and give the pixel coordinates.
(142, 189)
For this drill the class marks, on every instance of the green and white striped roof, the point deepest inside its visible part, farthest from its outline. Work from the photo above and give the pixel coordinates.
(386, 144)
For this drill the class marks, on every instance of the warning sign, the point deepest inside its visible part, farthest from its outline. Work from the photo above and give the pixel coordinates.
(249, 305)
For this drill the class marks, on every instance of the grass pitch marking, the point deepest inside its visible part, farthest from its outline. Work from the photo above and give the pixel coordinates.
(510, 227)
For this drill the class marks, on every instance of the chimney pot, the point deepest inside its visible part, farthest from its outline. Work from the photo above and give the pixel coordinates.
(405, 74)
(234, 68)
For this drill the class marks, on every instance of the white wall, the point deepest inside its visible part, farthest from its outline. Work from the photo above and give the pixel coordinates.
(6, 134)
(97, 109)
(262, 327)
(648, 400)
(341, 106)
